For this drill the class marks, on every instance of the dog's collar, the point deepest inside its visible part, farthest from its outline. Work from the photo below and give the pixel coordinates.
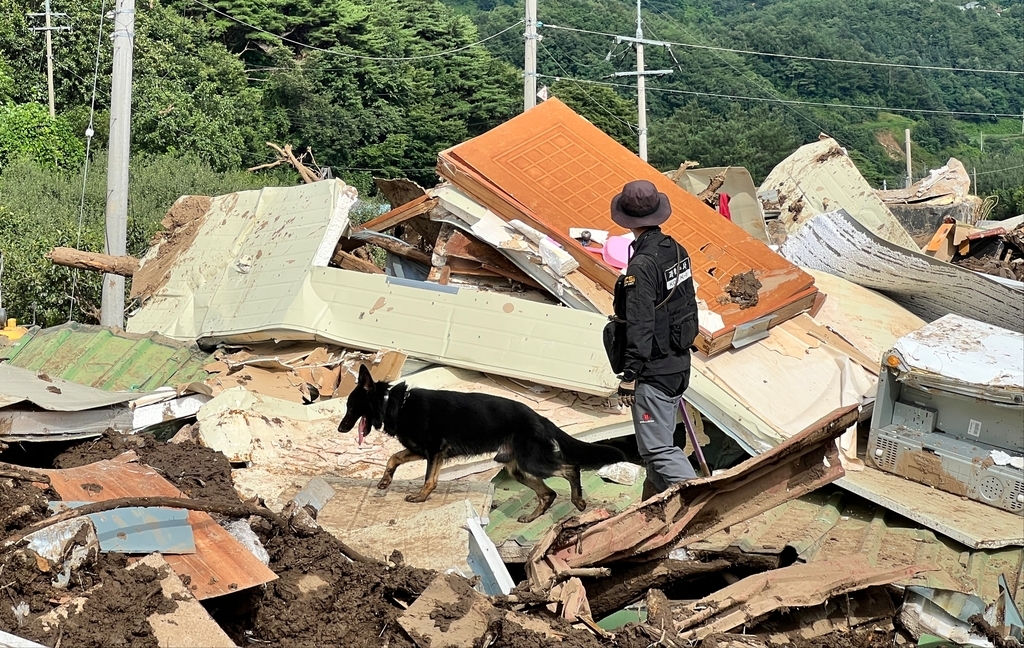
(387, 397)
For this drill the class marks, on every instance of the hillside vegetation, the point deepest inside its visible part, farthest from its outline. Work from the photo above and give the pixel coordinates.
(378, 87)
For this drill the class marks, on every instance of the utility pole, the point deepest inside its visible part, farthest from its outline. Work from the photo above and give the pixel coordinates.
(641, 78)
(982, 141)
(910, 173)
(47, 14)
(119, 148)
(530, 58)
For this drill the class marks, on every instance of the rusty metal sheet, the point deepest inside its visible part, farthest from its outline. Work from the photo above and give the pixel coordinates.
(220, 565)
(801, 585)
(693, 510)
(558, 170)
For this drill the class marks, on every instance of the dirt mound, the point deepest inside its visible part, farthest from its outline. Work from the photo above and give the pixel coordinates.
(21, 504)
(322, 599)
(181, 226)
(743, 289)
(200, 473)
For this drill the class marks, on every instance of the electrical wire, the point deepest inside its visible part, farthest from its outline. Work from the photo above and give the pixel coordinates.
(802, 58)
(632, 127)
(89, 132)
(783, 101)
(1013, 168)
(358, 56)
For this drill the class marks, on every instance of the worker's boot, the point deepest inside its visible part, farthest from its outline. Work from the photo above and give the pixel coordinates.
(650, 490)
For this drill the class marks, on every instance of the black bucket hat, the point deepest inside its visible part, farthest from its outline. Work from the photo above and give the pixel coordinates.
(640, 204)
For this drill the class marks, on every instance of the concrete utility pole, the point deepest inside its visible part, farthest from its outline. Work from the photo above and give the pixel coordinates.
(910, 174)
(641, 78)
(47, 14)
(119, 148)
(530, 59)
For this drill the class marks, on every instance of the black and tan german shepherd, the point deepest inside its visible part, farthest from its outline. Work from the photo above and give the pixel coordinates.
(439, 425)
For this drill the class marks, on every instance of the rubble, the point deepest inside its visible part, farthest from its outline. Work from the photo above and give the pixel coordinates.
(257, 308)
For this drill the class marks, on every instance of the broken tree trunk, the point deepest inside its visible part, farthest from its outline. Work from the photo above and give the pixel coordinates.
(286, 156)
(708, 195)
(401, 248)
(126, 266)
(347, 261)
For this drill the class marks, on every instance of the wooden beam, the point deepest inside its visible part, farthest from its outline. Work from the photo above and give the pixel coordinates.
(126, 266)
(412, 209)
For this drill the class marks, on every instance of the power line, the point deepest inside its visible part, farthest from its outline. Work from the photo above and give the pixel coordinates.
(359, 56)
(788, 101)
(803, 58)
(630, 126)
(1013, 168)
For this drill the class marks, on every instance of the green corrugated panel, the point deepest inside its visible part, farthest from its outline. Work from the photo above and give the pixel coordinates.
(512, 499)
(108, 359)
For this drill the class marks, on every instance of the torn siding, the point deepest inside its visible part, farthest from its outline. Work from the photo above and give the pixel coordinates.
(820, 177)
(836, 243)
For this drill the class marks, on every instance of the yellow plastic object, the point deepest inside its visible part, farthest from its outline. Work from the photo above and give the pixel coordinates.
(892, 361)
(12, 331)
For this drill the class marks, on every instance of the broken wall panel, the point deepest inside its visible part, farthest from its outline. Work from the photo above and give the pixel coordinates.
(738, 185)
(694, 509)
(554, 169)
(257, 272)
(820, 177)
(836, 243)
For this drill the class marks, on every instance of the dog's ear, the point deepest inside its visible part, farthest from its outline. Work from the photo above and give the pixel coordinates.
(365, 379)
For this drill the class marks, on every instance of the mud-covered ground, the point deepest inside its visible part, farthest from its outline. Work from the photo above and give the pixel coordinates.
(319, 599)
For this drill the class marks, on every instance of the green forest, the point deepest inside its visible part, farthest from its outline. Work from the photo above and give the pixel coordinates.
(378, 87)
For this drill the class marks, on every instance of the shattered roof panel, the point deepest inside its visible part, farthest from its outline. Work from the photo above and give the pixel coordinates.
(562, 171)
(966, 351)
(830, 524)
(53, 394)
(107, 358)
(820, 177)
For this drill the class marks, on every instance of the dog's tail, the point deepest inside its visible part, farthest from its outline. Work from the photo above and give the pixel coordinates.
(583, 454)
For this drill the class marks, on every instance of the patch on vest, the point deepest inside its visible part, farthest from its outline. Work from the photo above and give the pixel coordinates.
(677, 273)
(628, 281)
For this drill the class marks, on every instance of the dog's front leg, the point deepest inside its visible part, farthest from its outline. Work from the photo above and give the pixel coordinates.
(429, 481)
(396, 460)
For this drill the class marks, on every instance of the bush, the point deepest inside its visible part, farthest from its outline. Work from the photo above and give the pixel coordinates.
(27, 130)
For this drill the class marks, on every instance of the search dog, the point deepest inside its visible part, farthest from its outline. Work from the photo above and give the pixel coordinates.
(440, 425)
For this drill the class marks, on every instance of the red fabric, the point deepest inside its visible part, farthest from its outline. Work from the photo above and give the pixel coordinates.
(723, 205)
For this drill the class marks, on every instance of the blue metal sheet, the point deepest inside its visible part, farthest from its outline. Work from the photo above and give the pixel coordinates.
(140, 530)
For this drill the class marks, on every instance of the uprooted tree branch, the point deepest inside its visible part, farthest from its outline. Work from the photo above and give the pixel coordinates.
(285, 155)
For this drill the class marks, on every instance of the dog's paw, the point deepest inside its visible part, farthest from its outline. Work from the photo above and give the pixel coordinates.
(580, 504)
(526, 519)
(384, 483)
(415, 498)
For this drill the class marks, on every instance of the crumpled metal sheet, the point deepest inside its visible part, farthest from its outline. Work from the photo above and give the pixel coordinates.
(836, 243)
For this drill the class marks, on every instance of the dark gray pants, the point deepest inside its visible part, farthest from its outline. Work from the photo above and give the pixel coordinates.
(654, 420)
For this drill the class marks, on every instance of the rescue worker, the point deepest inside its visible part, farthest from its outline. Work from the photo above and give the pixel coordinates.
(661, 323)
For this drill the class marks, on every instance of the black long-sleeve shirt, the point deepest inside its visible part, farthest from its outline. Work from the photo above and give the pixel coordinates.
(654, 268)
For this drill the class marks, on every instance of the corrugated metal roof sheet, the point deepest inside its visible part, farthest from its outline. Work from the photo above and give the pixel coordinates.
(53, 394)
(830, 524)
(511, 499)
(106, 358)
